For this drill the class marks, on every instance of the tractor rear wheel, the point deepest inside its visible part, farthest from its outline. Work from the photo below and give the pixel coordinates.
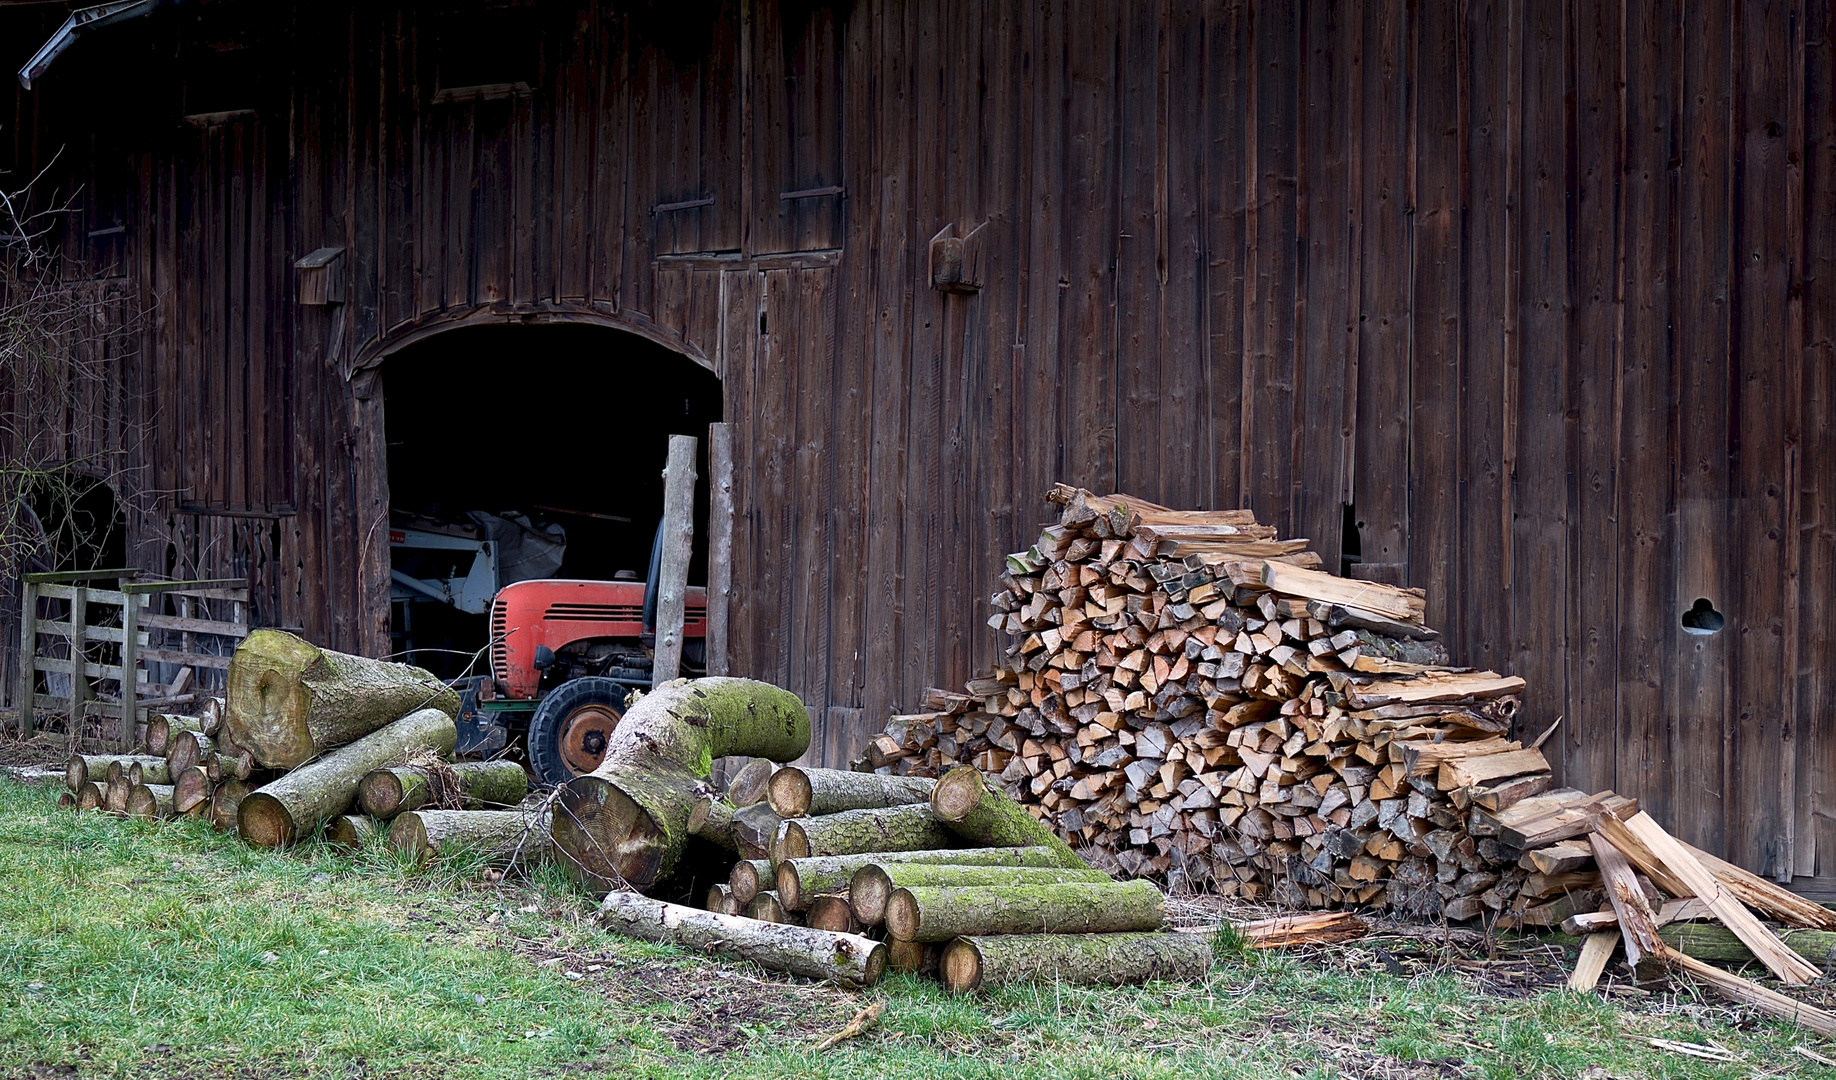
(570, 728)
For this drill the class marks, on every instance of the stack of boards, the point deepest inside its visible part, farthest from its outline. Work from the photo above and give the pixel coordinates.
(953, 877)
(309, 739)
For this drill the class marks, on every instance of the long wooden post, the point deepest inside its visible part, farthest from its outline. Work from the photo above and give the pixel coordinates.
(79, 678)
(720, 544)
(28, 654)
(130, 667)
(678, 543)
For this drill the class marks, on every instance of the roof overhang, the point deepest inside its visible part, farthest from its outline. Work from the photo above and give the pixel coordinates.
(80, 21)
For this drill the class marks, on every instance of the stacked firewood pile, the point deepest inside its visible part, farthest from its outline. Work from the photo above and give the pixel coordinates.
(307, 738)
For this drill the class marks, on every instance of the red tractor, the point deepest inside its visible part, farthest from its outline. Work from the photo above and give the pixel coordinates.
(565, 656)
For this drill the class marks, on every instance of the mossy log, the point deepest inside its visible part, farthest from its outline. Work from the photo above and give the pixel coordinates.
(191, 788)
(847, 959)
(754, 828)
(766, 908)
(468, 785)
(797, 880)
(626, 823)
(796, 792)
(965, 803)
(975, 963)
(290, 701)
(913, 957)
(149, 772)
(85, 768)
(162, 726)
(720, 900)
(712, 820)
(872, 885)
(750, 877)
(749, 785)
(290, 808)
(939, 913)
(189, 749)
(226, 801)
(832, 913)
(853, 832)
(350, 832)
(500, 837)
(149, 802)
(1713, 942)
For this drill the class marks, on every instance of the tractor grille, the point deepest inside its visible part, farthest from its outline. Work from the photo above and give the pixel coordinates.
(594, 613)
(500, 645)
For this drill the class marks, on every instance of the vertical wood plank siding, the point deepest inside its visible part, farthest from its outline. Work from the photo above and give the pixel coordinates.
(1531, 305)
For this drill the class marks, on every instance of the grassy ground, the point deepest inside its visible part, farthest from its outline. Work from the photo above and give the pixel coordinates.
(139, 950)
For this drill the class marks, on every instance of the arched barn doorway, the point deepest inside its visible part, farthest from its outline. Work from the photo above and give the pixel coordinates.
(529, 452)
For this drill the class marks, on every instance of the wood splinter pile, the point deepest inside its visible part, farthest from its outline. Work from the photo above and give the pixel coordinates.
(306, 737)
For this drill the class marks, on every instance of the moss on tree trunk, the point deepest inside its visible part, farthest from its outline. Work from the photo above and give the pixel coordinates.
(965, 803)
(892, 828)
(821, 875)
(290, 701)
(939, 913)
(290, 808)
(872, 885)
(847, 959)
(978, 962)
(797, 792)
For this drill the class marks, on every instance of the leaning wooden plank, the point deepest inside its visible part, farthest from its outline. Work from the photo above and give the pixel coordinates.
(1767, 1001)
(290, 808)
(1789, 967)
(1637, 922)
(1467, 772)
(797, 792)
(1764, 896)
(1403, 605)
(979, 962)
(848, 959)
(1707, 941)
(290, 701)
(890, 828)
(821, 875)
(968, 806)
(939, 913)
(872, 885)
(1429, 690)
(1595, 952)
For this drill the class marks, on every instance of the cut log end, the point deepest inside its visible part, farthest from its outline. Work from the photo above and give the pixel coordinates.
(960, 967)
(958, 793)
(380, 793)
(608, 840)
(264, 821)
(789, 792)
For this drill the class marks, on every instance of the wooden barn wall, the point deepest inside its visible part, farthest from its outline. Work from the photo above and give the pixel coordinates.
(1542, 293)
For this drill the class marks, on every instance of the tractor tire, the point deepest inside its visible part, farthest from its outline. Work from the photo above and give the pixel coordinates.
(568, 733)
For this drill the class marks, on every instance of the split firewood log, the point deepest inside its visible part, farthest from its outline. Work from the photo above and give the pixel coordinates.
(290, 701)
(847, 959)
(626, 823)
(289, 809)
(979, 962)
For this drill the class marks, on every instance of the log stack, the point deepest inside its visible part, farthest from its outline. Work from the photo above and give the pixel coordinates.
(1185, 696)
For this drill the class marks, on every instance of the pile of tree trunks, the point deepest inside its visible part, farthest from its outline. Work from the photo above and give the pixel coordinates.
(309, 739)
(942, 877)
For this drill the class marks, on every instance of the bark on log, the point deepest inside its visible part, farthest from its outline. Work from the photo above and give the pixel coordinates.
(766, 908)
(797, 879)
(913, 957)
(162, 726)
(833, 913)
(965, 804)
(225, 801)
(468, 785)
(939, 913)
(149, 802)
(754, 828)
(149, 772)
(978, 962)
(626, 823)
(85, 768)
(352, 831)
(853, 832)
(796, 792)
(749, 786)
(750, 877)
(290, 701)
(188, 749)
(848, 959)
(712, 820)
(872, 885)
(290, 808)
(191, 788)
(497, 837)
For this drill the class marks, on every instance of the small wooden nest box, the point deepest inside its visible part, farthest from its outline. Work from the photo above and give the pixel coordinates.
(956, 261)
(322, 277)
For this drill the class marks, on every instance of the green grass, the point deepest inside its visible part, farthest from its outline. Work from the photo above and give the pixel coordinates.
(138, 950)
